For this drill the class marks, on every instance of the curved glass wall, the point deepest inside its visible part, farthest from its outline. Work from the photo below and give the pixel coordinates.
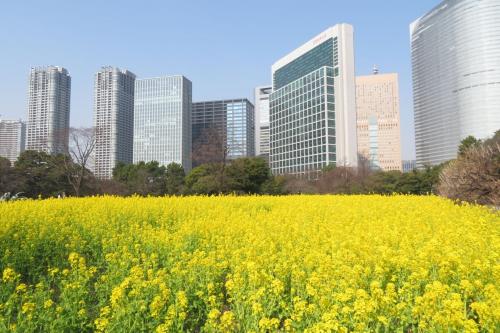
(456, 76)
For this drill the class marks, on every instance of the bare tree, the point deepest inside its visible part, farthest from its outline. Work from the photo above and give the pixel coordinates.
(364, 167)
(77, 162)
(341, 179)
(474, 176)
(299, 185)
(211, 147)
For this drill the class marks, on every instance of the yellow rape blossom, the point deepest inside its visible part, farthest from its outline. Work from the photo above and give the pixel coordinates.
(8, 275)
(251, 264)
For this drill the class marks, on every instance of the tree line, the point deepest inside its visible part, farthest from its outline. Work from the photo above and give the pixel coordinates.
(38, 174)
(474, 176)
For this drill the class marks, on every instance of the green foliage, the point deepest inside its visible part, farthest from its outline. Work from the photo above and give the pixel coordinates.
(468, 143)
(142, 178)
(204, 180)
(243, 176)
(329, 167)
(247, 175)
(41, 174)
(416, 182)
(4, 163)
(274, 186)
(6, 174)
(174, 179)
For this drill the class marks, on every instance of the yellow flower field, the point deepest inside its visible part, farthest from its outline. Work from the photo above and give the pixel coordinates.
(249, 264)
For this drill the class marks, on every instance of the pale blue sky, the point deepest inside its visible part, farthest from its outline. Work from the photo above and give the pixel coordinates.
(225, 48)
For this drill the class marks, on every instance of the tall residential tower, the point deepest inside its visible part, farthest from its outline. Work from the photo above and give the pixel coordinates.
(378, 120)
(48, 110)
(12, 139)
(162, 120)
(456, 76)
(113, 119)
(312, 107)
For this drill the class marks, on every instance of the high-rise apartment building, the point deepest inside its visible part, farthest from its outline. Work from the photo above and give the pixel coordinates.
(378, 120)
(226, 124)
(262, 120)
(12, 139)
(162, 120)
(456, 76)
(312, 106)
(48, 109)
(113, 119)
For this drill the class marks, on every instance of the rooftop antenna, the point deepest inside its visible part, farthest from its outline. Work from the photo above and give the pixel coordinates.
(375, 70)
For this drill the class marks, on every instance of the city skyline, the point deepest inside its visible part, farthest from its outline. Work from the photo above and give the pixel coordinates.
(146, 59)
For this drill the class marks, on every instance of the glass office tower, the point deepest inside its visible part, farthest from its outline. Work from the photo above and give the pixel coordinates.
(162, 120)
(456, 76)
(312, 107)
(229, 123)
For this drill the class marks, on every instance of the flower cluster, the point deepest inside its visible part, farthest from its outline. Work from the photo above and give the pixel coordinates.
(249, 264)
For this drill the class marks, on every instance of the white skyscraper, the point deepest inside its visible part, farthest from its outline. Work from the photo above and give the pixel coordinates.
(312, 107)
(12, 139)
(48, 109)
(162, 120)
(262, 120)
(456, 76)
(113, 119)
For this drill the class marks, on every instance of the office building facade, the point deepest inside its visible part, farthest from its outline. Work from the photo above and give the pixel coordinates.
(312, 106)
(456, 77)
(12, 139)
(261, 97)
(409, 165)
(113, 119)
(162, 120)
(228, 124)
(48, 110)
(378, 120)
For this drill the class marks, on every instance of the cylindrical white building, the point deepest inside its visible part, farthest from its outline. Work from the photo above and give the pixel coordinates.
(456, 76)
